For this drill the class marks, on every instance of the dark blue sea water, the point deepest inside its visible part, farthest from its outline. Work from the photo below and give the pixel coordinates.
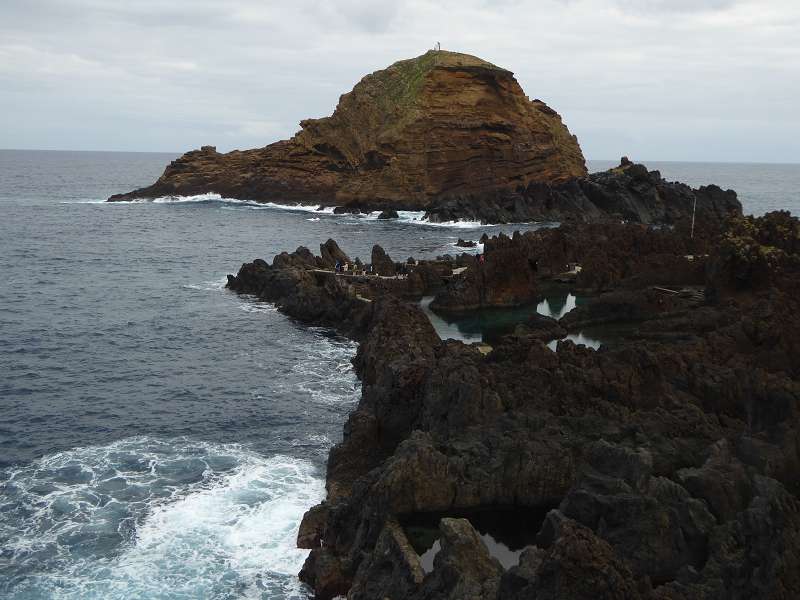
(160, 437)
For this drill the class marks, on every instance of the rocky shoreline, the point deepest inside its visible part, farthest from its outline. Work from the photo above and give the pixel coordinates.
(664, 467)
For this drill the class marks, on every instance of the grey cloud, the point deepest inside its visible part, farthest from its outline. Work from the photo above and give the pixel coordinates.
(653, 78)
(676, 6)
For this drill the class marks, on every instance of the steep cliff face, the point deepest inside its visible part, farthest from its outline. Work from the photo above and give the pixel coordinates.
(440, 125)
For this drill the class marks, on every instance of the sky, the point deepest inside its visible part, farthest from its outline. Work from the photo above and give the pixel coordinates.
(695, 80)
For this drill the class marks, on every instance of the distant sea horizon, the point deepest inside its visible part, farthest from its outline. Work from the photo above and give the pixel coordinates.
(761, 186)
(588, 160)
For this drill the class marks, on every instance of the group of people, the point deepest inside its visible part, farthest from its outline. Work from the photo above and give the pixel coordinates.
(401, 269)
(356, 269)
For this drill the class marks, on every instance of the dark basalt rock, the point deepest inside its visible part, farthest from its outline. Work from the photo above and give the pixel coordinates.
(633, 306)
(505, 277)
(672, 461)
(392, 571)
(540, 327)
(466, 243)
(576, 563)
(381, 263)
(463, 567)
(388, 214)
(611, 256)
(331, 254)
(628, 192)
(347, 210)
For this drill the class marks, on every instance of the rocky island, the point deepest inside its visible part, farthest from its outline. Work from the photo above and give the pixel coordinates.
(445, 133)
(664, 466)
(440, 126)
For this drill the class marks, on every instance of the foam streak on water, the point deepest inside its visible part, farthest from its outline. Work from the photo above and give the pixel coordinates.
(148, 518)
(404, 216)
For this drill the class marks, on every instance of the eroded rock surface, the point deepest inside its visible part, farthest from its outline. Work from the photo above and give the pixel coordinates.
(610, 255)
(442, 125)
(666, 467)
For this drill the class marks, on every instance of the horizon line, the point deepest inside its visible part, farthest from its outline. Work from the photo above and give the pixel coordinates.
(640, 161)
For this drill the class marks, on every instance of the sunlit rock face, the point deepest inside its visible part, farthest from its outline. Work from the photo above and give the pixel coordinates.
(437, 126)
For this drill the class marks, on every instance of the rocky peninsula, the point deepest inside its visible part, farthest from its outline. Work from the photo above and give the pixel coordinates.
(662, 467)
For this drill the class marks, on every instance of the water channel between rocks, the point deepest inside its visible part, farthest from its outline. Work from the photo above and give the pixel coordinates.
(486, 325)
(505, 531)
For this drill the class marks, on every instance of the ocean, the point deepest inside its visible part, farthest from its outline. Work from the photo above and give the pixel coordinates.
(161, 437)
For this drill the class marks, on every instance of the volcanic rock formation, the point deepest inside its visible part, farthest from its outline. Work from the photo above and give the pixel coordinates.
(437, 126)
(664, 467)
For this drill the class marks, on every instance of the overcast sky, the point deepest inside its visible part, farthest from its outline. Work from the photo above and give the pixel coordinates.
(654, 79)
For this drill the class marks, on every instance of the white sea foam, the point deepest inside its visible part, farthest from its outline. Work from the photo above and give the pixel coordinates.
(476, 249)
(147, 518)
(84, 201)
(209, 197)
(326, 372)
(327, 210)
(404, 216)
(302, 208)
(208, 286)
(254, 305)
(417, 217)
(457, 224)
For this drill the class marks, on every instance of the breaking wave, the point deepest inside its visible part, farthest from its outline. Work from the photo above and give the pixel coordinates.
(156, 519)
(208, 286)
(327, 373)
(404, 216)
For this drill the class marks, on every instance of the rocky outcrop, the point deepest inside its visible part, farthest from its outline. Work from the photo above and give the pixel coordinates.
(306, 286)
(576, 564)
(501, 277)
(440, 125)
(541, 328)
(659, 468)
(463, 568)
(610, 255)
(330, 254)
(382, 264)
(628, 192)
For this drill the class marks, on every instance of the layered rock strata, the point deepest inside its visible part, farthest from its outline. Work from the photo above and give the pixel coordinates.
(663, 468)
(437, 126)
